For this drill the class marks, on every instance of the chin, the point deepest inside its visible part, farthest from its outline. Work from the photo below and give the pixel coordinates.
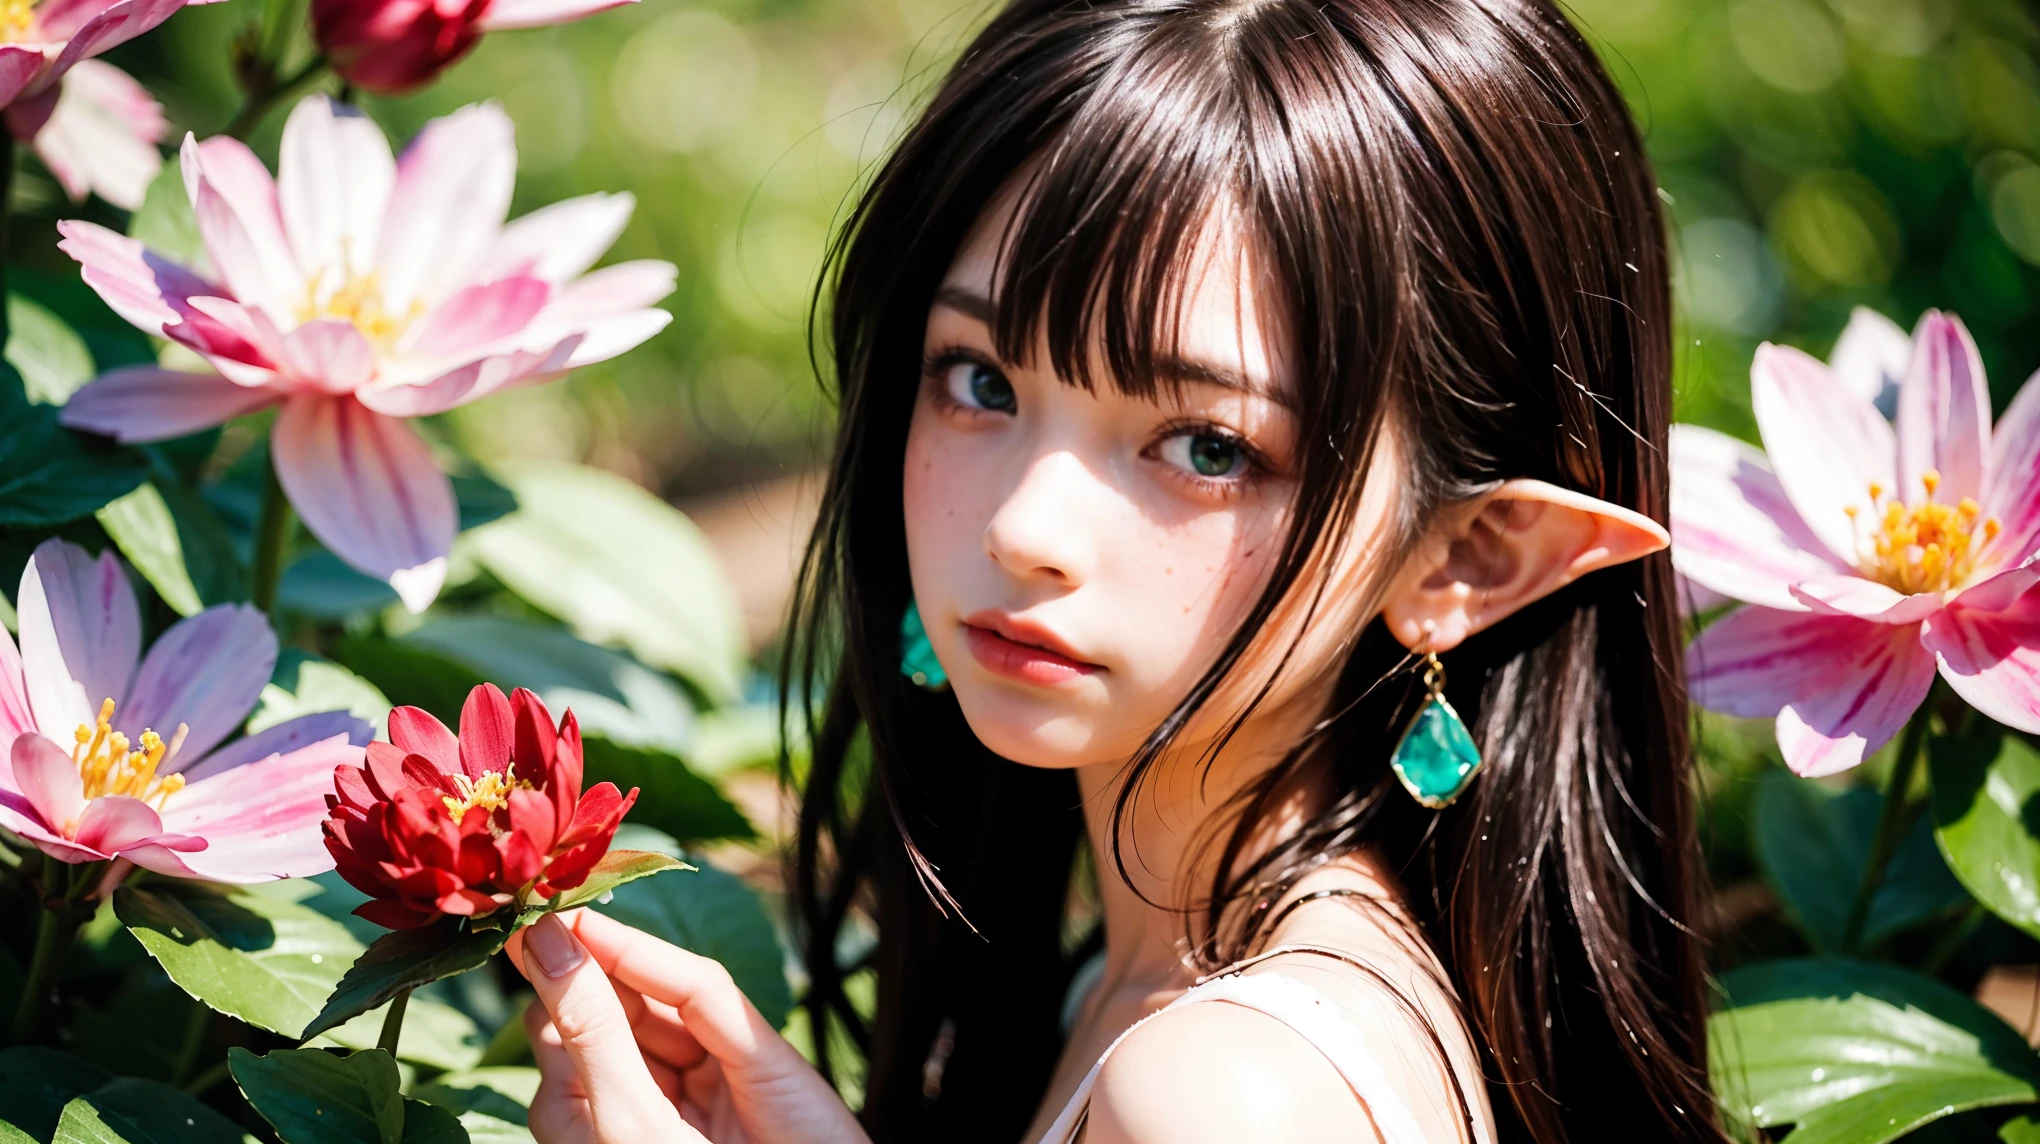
(1037, 733)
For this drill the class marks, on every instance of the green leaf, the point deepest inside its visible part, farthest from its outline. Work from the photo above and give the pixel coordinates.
(481, 1128)
(1987, 821)
(435, 1035)
(324, 587)
(49, 354)
(481, 499)
(176, 542)
(49, 474)
(409, 675)
(249, 952)
(612, 695)
(713, 913)
(35, 1085)
(1813, 844)
(617, 868)
(429, 1124)
(304, 684)
(503, 1092)
(312, 1096)
(131, 1111)
(405, 959)
(670, 797)
(620, 566)
(165, 222)
(1855, 1053)
(2020, 1130)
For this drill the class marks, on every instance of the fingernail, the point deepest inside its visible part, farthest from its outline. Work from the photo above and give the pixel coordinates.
(553, 947)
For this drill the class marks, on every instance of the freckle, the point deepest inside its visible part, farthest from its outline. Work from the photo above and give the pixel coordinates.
(1168, 571)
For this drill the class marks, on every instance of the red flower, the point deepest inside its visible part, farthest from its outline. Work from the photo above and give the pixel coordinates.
(434, 825)
(391, 46)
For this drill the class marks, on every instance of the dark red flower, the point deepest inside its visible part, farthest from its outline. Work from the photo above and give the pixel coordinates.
(434, 825)
(392, 46)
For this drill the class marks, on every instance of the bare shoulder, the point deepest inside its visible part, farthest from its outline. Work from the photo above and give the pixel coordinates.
(1219, 1072)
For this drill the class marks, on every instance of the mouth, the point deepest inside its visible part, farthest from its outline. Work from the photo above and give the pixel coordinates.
(1022, 652)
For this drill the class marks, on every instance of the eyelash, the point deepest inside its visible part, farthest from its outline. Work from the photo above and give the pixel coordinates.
(936, 365)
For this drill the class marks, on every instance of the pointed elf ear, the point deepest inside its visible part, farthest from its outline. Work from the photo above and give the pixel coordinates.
(1526, 540)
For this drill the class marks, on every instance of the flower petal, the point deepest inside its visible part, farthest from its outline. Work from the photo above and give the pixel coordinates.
(137, 404)
(1865, 599)
(49, 780)
(101, 135)
(16, 717)
(2000, 591)
(1992, 659)
(1826, 444)
(558, 242)
(329, 355)
(110, 27)
(2014, 493)
(1944, 413)
(19, 65)
(234, 199)
(470, 382)
(1871, 357)
(418, 732)
(605, 338)
(138, 284)
(333, 180)
(80, 635)
(206, 673)
(451, 195)
(281, 739)
(1733, 530)
(115, 822)
(486, 731)
(367, 488)
(505, 14)
(1840, 687)
(479, 316)
(261, 821)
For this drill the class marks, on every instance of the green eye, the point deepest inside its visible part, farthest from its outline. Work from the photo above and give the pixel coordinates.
(976, 384)
(1209, 455)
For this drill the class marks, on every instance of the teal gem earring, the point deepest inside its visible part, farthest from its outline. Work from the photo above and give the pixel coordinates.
(917, 655)
(1436, 758)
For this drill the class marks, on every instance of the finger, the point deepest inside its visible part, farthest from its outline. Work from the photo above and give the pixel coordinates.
(559, 1110)
(662, 1034)
(624, 1103)
(698, 988)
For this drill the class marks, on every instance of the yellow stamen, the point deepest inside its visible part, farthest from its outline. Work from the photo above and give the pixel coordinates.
(491, 792)
(107, 765)
(1926, 547)
(1931, 478)
(359, 301)
(17, 21)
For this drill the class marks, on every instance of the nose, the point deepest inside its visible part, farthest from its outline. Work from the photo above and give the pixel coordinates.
(1040, 530)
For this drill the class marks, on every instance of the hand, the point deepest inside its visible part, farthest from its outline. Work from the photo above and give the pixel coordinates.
(640, 1040)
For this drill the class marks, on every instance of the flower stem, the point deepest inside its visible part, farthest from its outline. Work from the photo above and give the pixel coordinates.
(268, 94)
(393, 1024)
(1892, 821)
(272, 536)
(58, 924)
(7, 161)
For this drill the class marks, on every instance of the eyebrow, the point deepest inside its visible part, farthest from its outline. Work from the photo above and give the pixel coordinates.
(972, 304)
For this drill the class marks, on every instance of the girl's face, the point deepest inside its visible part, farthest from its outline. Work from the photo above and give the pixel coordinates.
(1080, 558)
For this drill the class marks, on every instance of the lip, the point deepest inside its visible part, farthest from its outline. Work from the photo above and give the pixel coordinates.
(1022, 651)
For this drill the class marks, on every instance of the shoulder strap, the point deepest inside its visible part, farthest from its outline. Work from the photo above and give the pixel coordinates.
(1295, 1004)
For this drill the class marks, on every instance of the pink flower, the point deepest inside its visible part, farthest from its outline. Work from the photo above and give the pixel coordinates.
(246, 812)
(356, 292)
(98, 134)
(393, 46)
(39, 42)
(1871, 558)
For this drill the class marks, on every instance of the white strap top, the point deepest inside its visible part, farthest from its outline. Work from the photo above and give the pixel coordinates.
(1315, 1018)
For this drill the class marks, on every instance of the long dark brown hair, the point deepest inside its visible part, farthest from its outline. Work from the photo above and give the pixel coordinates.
(1465, 234)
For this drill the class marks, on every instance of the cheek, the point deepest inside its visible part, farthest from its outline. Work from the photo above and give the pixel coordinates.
(1181, 592)
(941, 518)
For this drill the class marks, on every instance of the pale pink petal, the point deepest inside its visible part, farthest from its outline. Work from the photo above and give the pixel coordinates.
(19, 65)
(241, 343)
(504, 14)
(613, 291)
(1840, 687)
(112, 26)
(287, 736)
(1992, 659)
(101, 135)
(206, 673)
(559, 241)
(234, 200)
(329, 355)
(20, 816)
(451, 195)
(476, 379)
(478, 316)
(1997, 592)
(1944, 413)
(334, 176)
(140, 285)
(366, 486)
(1826, 444)
(60, 19)
(16, 717)
(2014, 493)
(605, 338)
(1871, 356)
(80, 635)
(261, 821)
(115, 822)
(1848, 595)
(49, 780)
(1733, 530)
(141, 403)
